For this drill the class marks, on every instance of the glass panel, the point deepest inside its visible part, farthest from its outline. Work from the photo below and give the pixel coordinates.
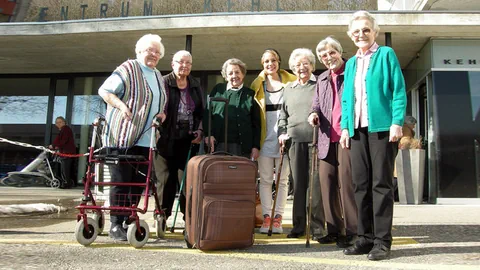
(60, 103)
(87, 105)
(456, 133)
(474, 81)
(23, 113)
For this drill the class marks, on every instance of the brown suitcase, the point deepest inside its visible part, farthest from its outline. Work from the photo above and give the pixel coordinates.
(220, 207)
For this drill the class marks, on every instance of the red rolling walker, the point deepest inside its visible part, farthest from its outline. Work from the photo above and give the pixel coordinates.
(91, 218)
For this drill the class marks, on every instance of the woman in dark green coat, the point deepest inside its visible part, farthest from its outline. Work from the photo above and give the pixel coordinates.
(243, 128)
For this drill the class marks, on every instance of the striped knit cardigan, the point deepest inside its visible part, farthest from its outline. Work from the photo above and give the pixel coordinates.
(120, 133)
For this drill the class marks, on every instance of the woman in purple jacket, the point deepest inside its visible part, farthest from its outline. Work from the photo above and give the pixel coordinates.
(334, 167)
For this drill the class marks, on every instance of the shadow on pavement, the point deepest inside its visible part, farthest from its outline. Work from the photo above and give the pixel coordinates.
(439, 233)
(419, 251)
(2, 232)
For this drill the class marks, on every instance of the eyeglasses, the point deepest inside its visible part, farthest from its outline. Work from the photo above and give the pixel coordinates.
(325, 55)
(305, 64)
(183, 63)
(365, 31)
(153, 51)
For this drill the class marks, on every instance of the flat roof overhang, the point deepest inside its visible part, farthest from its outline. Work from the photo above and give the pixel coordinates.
(100, 45)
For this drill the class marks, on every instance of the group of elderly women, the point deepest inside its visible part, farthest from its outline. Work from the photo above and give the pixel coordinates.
(357, 105)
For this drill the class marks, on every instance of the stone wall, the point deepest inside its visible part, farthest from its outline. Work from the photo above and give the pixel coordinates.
(58, 10)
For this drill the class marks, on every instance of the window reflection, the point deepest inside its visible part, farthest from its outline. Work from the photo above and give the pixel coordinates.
(23, 109)
(87, 104)
(474, 80)
(23, 113)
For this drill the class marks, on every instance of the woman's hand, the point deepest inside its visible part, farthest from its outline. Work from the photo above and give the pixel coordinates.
(210, 141)
(198, 136)
(345, 139)
(126, 113)
(282, 139)
(255, 153)
(313, 119)
(395, 133)
(161, 116)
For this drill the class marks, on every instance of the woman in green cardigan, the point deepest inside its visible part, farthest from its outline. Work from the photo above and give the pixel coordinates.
(243, 130)
(373, 109)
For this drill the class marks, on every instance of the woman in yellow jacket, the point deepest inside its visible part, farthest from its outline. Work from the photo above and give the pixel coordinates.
(268, 88)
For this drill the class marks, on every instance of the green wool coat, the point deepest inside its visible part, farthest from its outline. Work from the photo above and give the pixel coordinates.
(246, 131)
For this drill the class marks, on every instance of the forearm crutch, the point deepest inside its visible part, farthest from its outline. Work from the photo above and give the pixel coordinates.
(172, 229)
(310, 184)
(277, 178)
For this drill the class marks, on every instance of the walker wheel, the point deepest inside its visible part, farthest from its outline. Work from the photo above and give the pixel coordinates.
(86, 236)
(160, 225)
(55, 183)
(134, 237)
(99, 219)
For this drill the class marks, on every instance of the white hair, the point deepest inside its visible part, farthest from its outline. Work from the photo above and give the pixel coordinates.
(328, 42)
(144, 42)
(301, 52)
(181, 54)
(360, 15)
(234, 62)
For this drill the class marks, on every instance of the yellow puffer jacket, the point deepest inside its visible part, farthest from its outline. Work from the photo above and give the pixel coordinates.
(257, 86)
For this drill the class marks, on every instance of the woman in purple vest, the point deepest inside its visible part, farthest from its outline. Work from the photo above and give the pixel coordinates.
(334, 167)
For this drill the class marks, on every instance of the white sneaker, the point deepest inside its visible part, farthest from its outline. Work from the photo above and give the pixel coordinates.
(277, 224)
(290, 197)
(266, 224)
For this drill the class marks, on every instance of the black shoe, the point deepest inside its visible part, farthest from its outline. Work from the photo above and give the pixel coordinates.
(65, 186)
(118, 233)
(345, 241)
(328, 239)
(379, 252)
(295, 235)
(358, 249)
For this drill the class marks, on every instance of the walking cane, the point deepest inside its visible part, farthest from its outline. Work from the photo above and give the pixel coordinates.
(279, 171)
(310, 184)
(172, 229)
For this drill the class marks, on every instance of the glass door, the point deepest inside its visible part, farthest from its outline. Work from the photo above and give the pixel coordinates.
(23, 118)
(87, 105)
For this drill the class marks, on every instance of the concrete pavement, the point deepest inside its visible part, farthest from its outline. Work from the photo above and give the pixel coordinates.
(425, 214)
(425, 237)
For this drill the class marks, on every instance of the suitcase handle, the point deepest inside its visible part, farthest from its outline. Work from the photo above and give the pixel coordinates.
(222, 153)
(217, 99)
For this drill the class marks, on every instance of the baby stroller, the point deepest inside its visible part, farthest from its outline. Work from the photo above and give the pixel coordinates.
(41, 171)
(89, 227)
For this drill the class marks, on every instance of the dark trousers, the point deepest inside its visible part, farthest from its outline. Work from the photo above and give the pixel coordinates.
(372, 157)
(300, 165)
(232, 148)
(337, 191)
(126, 173)
(66, 169)
(317, 220)
(175, 163)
